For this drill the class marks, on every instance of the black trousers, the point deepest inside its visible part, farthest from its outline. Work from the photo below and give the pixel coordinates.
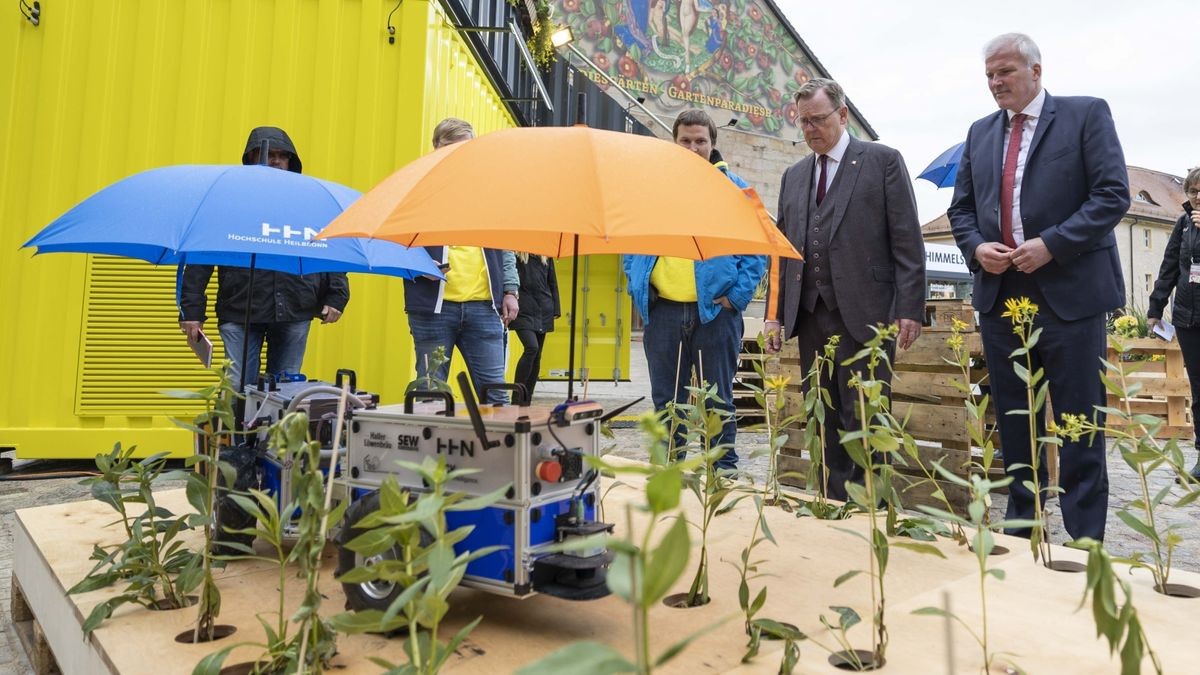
(1069, 352)
(530, 363)
(814, 330)
(1189, 344)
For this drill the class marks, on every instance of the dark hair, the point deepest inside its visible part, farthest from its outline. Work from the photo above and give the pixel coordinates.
(694, 117)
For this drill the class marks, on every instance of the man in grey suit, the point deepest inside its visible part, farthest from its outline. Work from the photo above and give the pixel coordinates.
(849, 208)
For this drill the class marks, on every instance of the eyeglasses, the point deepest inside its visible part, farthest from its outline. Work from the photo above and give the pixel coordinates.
(814, 121)
(1193, 193)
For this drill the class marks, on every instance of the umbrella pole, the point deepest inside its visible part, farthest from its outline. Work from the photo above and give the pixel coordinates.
(571, 347)
(241, 407)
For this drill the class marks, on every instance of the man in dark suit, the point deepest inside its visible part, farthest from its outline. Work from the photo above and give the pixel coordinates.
(849, 208)
(1041, 185)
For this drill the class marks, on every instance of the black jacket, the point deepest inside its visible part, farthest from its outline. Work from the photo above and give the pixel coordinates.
(538, 299)
(1182, 249)
(277, 296)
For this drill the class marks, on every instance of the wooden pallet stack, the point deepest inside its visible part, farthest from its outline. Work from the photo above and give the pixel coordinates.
(923, 397)
(1157, 366)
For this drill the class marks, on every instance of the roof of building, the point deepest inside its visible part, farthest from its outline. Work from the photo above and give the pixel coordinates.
(1153, 194)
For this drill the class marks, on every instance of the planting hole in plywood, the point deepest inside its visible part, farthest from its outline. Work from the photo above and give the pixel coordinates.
(680, 601)
(1181, 591)
(164, 605)
(1069, 566)
(220, 631)
(861, 660)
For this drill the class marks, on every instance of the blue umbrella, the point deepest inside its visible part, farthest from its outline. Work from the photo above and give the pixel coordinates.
(942, 171)
(238, 216)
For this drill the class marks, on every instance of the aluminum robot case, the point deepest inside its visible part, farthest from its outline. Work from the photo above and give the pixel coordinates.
(527, 439)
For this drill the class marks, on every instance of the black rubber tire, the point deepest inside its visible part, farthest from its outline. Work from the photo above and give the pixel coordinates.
(230, 516)
(370, 595)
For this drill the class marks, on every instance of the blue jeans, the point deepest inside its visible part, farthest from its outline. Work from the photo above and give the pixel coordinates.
(475, 329)
(286, 341)
(715, 344)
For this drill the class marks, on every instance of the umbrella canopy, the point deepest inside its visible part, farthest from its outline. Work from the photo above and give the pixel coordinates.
(943, 170)
(239, 216)
(546, 190)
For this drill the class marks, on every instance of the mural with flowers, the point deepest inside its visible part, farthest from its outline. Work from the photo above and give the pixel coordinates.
(731, 57)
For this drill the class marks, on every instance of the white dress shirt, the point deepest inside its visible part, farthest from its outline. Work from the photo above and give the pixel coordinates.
(835, 160)
(1034, 112)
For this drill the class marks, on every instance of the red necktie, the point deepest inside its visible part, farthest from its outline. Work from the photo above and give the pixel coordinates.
(824, 160)
(1009, 179)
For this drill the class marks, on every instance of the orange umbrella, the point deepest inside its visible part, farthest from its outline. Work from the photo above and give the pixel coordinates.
(566, 191)
(534, 189)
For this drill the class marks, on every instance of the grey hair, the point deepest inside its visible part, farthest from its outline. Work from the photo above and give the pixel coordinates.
(1024, 45)
(832, 89)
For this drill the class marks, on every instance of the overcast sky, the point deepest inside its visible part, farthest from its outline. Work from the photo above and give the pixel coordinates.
(914, 69)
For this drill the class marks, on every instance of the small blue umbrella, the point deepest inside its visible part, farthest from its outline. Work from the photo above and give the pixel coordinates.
(942, 171)
(238, 216)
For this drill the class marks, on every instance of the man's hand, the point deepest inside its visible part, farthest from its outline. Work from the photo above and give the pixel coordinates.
(1196, 218)
(330, 314)
(994, 257)
(773, 337)
(909, 332)
(1031, 255)
(509, 308)
(723, 301)
(192, 329)
(1152, 322)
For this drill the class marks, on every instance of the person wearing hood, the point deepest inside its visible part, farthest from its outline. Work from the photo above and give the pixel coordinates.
(1180, 272)
(539, 306)
(282, 306)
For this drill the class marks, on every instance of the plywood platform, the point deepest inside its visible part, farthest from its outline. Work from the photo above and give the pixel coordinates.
(1032, 613)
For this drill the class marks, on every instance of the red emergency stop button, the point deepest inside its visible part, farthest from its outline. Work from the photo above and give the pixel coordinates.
(549, 471)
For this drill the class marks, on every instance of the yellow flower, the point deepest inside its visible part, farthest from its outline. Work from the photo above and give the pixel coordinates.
(776, 382)
(1020, 310)
(955, 342)
(957, 324)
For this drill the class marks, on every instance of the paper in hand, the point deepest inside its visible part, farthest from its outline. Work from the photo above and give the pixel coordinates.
(1164, 330)
(202, 347)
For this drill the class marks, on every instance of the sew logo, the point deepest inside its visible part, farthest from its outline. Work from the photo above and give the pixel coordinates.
(287, 232)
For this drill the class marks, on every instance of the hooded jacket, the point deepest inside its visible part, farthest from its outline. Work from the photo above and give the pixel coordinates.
(1182, 248)
(277, 297)
(539, 303)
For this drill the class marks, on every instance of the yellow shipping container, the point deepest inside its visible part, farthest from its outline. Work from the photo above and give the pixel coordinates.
(105, 88)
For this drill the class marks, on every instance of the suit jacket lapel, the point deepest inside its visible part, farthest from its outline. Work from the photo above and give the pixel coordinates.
(1043, 124)
(802, 195)
(843, 183)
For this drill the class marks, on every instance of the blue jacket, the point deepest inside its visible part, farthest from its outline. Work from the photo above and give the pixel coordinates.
(732, 276)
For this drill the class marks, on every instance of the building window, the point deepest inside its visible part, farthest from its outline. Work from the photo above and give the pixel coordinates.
(1143, 196)
(1149, 283)
(1146, 237)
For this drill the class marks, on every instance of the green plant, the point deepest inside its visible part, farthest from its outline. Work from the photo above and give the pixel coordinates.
(429, 382)
(1133, 323)
(1135, 440)
(703, 422)
(644, 567)
(982, 544)
(817, 403)
(213, 428)
(312, 643)
(1118, 623)
(540, 44)
(1022, 313)
(159, 570)
(878, 438)
(407, 543)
